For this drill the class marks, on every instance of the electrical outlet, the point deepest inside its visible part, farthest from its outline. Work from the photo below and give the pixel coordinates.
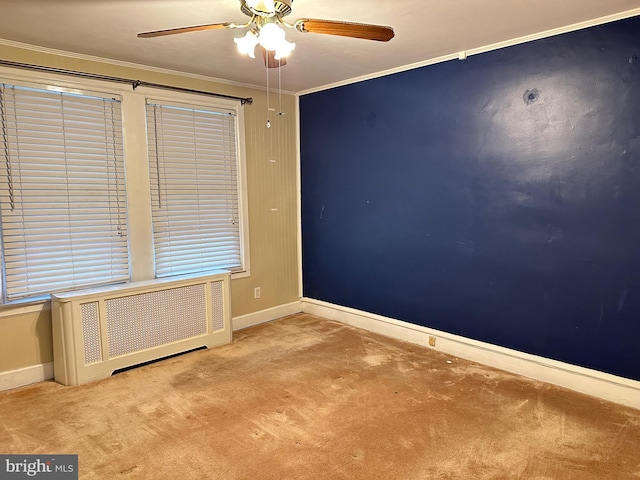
(256, 292)
(432, 340)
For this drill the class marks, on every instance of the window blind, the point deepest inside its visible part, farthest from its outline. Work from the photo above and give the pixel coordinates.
(194, 186)
(62, 192)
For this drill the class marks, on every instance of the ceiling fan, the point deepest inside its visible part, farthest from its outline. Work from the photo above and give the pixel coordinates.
(266, 20)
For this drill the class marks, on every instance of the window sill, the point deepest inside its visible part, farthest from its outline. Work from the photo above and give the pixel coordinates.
(243, 274)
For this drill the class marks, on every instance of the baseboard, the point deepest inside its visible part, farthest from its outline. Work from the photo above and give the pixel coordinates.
(591, 382)
(26, 376)
(256, 318)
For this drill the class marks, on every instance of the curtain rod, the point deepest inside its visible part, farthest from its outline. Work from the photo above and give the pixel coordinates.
(134, 83)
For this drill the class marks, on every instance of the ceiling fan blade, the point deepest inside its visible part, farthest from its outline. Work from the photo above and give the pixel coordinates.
(345, 29)
(195, 28)
(269, 58)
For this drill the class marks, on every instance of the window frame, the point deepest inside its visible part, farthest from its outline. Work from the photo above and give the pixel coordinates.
(238, 115)
(136, 159)
(68, 137)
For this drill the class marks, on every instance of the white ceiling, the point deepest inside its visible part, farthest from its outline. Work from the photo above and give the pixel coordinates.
(424, 30)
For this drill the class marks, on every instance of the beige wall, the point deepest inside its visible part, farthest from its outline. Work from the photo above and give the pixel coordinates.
(25, 338)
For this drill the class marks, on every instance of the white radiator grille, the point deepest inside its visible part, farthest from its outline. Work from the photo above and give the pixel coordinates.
(144, 321)
(100, 330)
(217, 306)
(91, 332)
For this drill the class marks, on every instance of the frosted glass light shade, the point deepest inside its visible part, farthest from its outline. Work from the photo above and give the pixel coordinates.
(247, 44)
(272, 38)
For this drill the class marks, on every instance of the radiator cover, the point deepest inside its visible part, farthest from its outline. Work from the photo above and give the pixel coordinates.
(100, 330)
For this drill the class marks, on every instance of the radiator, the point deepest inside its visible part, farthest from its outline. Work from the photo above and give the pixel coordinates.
(100, 330)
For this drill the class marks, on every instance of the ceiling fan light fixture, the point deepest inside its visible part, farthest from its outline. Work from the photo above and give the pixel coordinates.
(247, 44)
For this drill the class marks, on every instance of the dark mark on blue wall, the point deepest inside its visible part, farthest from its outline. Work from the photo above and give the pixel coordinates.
(531, 96)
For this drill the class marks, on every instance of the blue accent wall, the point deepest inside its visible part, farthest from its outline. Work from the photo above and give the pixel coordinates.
(496, 198)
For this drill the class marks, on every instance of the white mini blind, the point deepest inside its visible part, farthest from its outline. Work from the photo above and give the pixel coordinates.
(62, 192)
(193, 165)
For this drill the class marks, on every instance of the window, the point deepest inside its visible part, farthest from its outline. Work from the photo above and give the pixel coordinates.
(194, 188)
(100, 184)
(62, 192)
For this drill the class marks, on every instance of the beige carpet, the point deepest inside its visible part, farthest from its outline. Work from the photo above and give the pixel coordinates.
(306, 398)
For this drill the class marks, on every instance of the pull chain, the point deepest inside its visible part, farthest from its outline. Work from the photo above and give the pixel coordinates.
(266, 68)
(280, 112)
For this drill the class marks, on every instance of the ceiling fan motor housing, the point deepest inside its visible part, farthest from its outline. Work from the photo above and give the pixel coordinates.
(282, 9)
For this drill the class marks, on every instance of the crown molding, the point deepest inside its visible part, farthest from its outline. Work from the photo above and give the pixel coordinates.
(120, 63)
(462, 55)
